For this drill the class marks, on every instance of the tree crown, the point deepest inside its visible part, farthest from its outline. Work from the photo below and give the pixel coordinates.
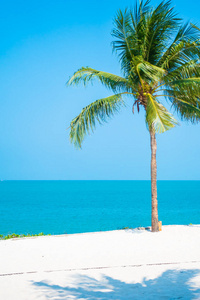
(160, 57)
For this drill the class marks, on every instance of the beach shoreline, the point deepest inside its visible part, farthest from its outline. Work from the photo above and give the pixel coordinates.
(96, 264)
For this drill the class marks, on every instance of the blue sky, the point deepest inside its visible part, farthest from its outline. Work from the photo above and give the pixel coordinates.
(42, 44)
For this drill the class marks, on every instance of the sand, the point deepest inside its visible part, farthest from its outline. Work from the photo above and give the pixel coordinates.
(121, 264)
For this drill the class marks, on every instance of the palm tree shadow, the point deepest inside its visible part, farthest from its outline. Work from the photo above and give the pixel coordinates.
(172, 284)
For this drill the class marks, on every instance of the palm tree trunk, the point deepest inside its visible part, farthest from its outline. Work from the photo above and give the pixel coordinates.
(154, 202)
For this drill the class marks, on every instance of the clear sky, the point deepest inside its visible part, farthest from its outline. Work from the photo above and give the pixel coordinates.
(42, 44)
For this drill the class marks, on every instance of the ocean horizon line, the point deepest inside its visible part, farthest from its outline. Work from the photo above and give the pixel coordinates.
(97, 180)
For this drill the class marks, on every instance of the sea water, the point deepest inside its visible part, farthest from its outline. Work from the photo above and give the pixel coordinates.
(57, 207)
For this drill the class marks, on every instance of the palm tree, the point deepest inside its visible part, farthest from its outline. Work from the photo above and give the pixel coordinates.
(159, 58)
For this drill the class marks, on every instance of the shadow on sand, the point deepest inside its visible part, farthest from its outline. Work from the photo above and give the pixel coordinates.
(172, 284)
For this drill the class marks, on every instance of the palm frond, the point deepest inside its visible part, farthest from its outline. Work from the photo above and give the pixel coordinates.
(195, 26)
(184, 83)
(187, 70)
(129, 31)
(185, 47)
(150, 72)
(139, 11)
(158, 117)
(161, 23)
(125, 39)
(86, 75)
(185, 101)
(100, 110)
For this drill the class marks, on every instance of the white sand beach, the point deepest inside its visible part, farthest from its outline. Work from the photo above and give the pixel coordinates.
(122, 264)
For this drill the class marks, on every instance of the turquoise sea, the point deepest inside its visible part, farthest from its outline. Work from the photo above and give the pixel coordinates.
(58, 207)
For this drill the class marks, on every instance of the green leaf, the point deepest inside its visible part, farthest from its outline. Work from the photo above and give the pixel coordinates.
(158, 117)
(100, 110)
(185, 102)
(185, 81)
(151, 72)
(86, 75)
